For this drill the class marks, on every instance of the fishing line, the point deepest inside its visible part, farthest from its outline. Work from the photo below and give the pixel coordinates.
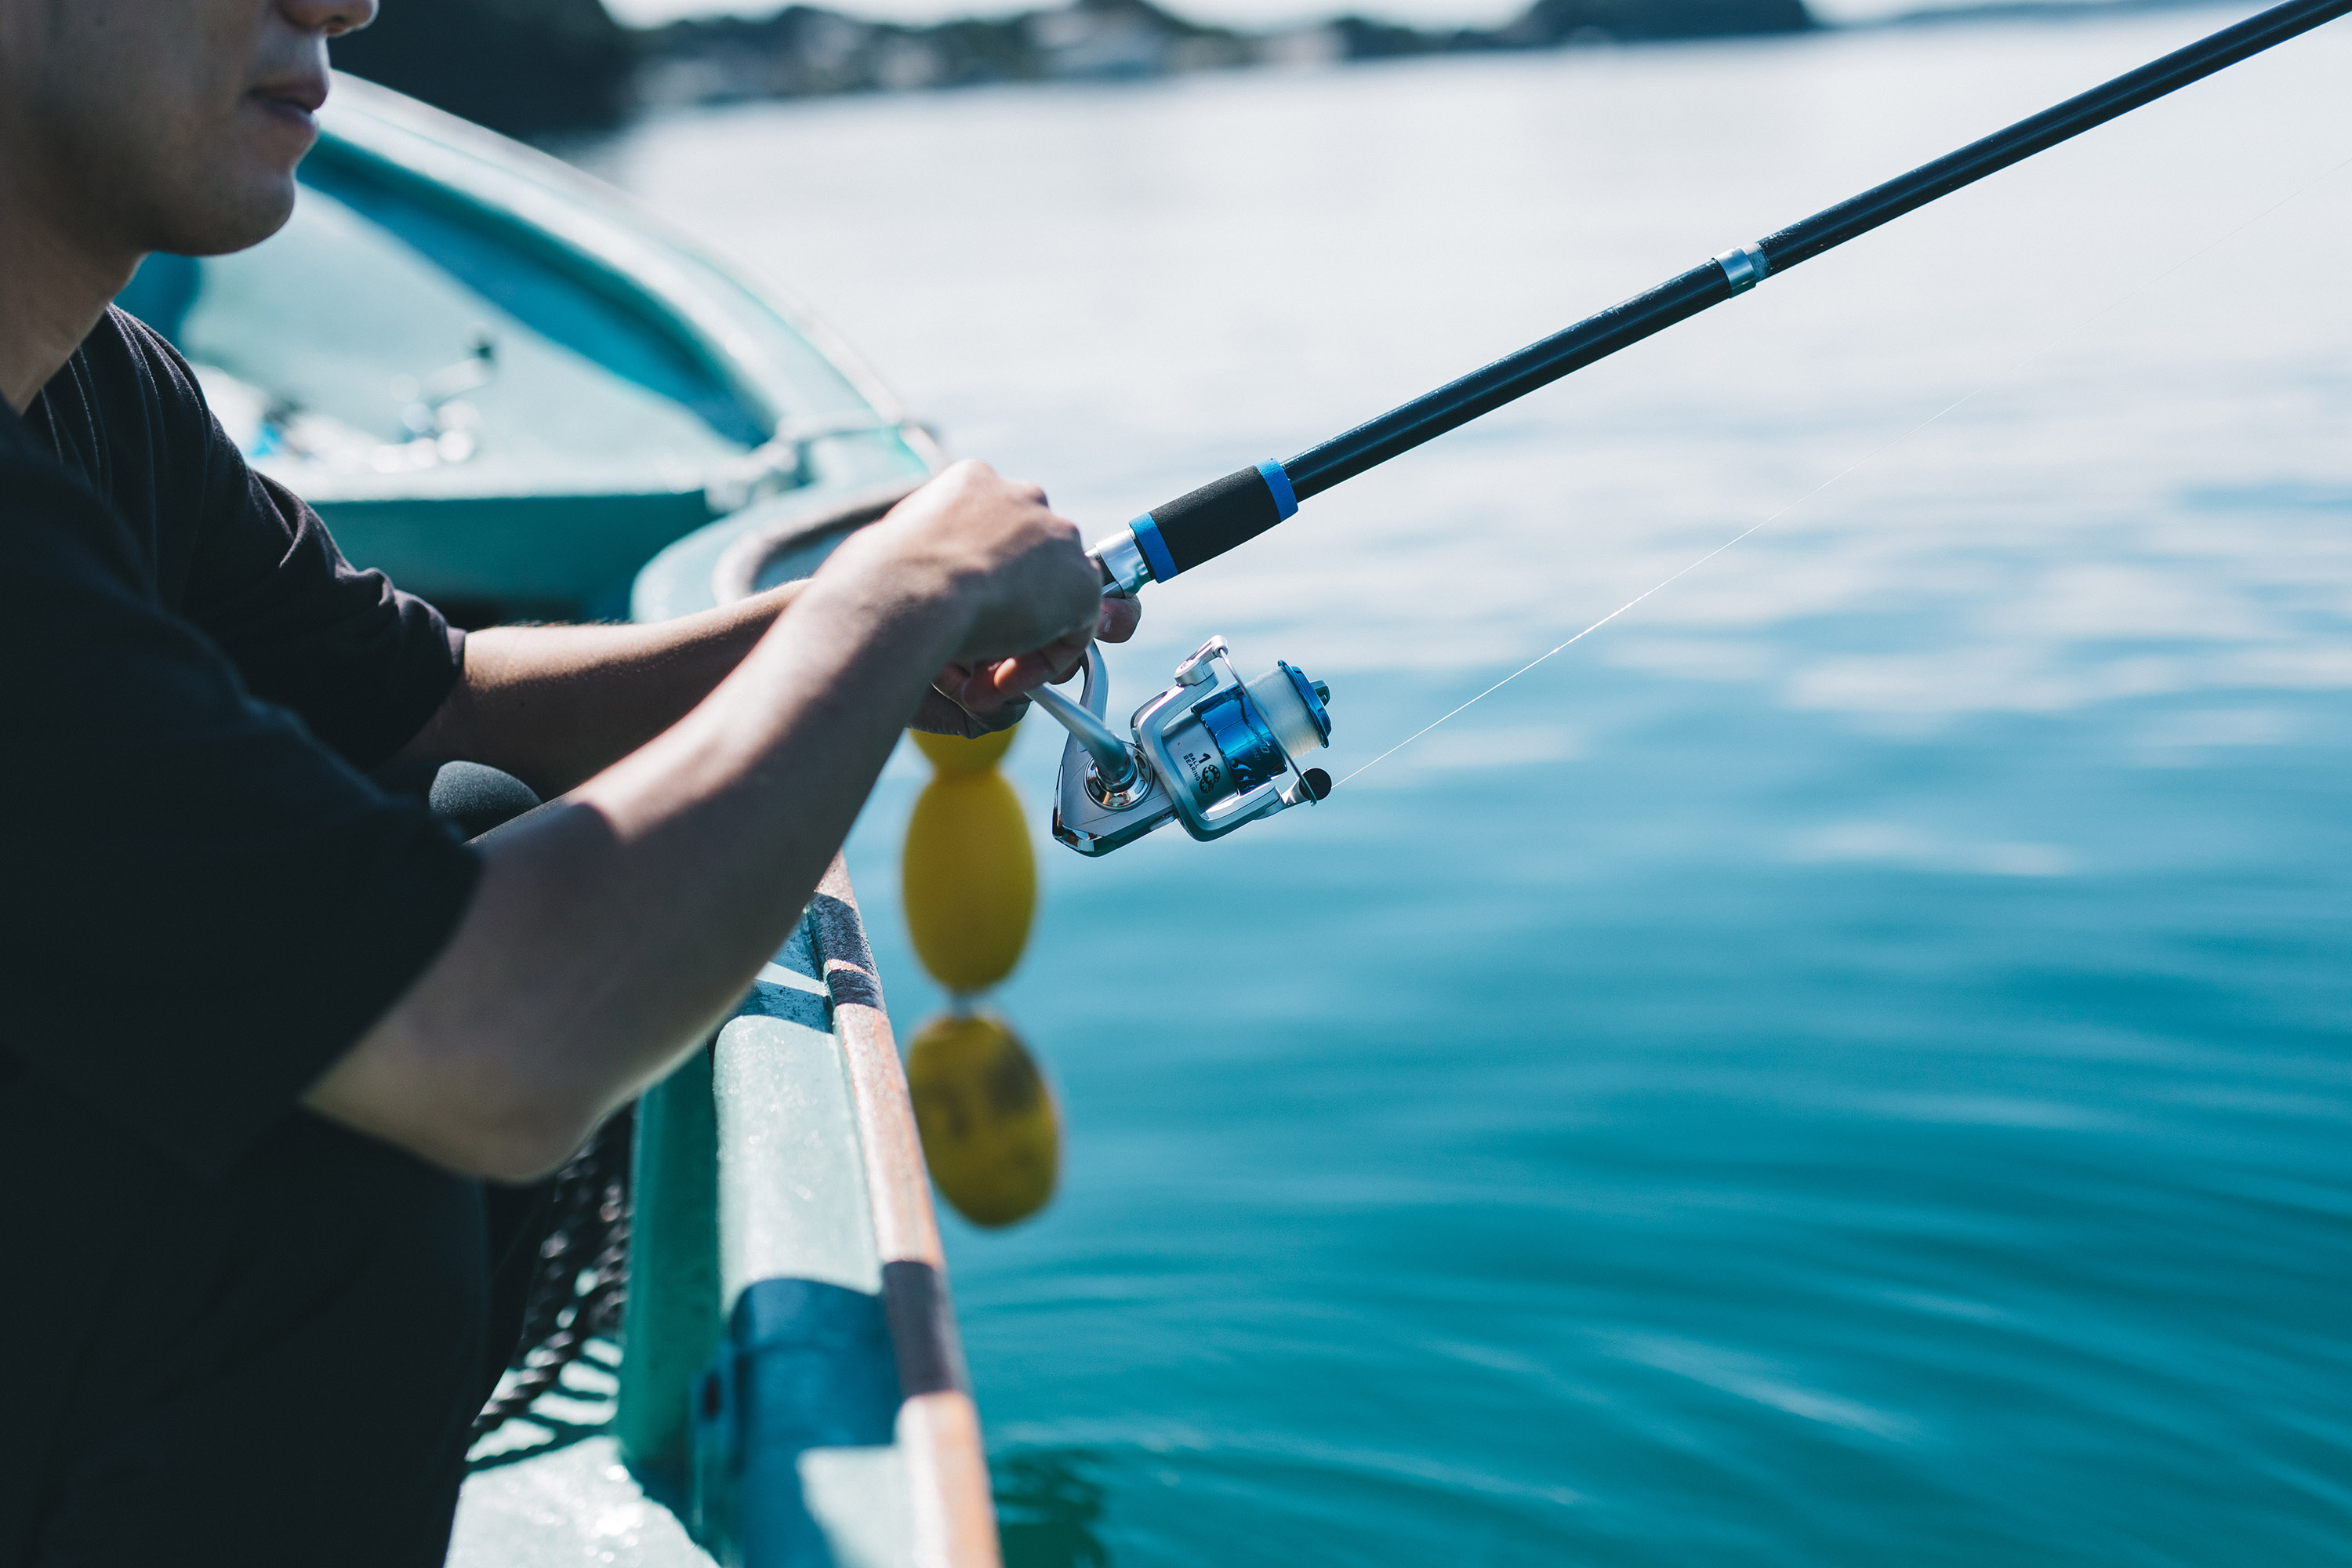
(2017, 368)
(1217, 752)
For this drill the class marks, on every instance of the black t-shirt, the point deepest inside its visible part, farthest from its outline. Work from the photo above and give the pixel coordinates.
(204, 902)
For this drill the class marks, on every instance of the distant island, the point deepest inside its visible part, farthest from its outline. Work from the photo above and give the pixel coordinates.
(537, 67)
(524, 66)
(534, 67)
(805, 49)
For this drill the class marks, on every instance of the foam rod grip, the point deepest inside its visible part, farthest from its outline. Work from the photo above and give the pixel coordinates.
(1216, 517)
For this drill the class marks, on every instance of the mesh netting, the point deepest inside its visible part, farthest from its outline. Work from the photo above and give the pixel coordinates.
(582, 1278)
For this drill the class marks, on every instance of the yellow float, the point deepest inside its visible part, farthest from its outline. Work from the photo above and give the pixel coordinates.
(991, 1133)
(957, 758)
(968, 878)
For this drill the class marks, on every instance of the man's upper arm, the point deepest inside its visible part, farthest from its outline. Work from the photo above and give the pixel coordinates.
(207, 906)
(363, 664)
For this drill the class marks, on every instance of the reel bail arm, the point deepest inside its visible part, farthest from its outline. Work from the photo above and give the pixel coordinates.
(1114, 762)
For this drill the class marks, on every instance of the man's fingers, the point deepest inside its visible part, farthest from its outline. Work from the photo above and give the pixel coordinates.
(1047, 666)
(946, 712)
(1019, 676)
(1063, 658)
(974, 689)
(1117, 619)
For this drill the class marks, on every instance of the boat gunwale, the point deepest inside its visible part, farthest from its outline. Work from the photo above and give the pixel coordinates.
(937, 1430)
(736, 574)
(608, 239)
(938, 1426)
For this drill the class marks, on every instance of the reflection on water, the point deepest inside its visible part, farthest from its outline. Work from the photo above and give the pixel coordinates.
(1847, 1065)
(1047, 1504)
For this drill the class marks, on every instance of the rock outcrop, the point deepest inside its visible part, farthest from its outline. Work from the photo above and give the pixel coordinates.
(523, 67)
(533, 66)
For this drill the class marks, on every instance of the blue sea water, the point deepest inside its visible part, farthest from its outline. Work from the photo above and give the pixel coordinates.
(1849, 1063)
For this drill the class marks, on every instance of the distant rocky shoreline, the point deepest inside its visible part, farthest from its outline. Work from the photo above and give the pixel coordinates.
(533, 68)
(805, 49)
(537, 67)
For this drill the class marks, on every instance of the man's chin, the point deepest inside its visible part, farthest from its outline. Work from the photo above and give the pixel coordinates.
(236, 218)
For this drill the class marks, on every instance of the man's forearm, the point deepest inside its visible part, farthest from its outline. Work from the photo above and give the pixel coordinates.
(555, 705)
(613, 931)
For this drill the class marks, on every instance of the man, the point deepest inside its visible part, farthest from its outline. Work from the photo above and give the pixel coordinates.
(266, 1029)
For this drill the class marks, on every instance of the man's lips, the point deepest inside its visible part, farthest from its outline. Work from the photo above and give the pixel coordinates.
(294, 101)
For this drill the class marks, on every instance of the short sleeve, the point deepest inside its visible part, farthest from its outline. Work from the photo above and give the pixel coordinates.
(363, 664)
(207, 905)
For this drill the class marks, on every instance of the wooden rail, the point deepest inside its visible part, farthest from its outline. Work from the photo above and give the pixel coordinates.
(938, 1426)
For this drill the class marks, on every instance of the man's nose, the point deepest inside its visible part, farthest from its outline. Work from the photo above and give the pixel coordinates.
(328, 18)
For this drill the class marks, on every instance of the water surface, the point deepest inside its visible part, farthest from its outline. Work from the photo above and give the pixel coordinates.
(1850, 1064)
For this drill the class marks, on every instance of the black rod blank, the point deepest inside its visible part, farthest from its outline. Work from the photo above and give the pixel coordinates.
(1599, 336)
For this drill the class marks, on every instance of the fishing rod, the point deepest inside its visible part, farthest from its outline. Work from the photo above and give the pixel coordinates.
(1215, 751)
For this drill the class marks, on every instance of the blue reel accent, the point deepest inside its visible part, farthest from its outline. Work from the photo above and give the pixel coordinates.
(1154, 548)
(1277, 480)
(1251, 755)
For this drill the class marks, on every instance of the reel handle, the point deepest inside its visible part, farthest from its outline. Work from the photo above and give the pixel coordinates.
(1115, 760)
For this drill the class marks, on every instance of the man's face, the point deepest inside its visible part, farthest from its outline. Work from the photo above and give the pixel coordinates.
(173, 125)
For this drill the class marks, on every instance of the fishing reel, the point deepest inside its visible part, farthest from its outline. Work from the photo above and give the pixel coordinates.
(1213, 752)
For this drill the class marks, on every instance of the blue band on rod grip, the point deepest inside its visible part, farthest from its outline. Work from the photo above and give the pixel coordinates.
(1154, 548)
(1278, 482)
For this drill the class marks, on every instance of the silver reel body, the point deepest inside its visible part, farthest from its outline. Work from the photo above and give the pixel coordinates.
(1213, 752)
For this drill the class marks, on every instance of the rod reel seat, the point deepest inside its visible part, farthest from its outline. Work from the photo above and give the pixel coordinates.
(1212, 751)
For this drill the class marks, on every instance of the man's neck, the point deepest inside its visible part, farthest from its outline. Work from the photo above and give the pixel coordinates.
(52, 292)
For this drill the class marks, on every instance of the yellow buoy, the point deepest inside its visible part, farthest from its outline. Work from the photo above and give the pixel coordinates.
(957, 758)
(991, 1133)
(969, 879)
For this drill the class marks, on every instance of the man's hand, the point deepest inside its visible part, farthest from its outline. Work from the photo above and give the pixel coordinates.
(970, 509)
(972, 700)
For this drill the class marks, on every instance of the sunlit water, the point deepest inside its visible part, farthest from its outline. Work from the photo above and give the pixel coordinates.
(1850, 1063)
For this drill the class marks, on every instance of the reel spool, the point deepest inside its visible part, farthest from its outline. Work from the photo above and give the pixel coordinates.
(1213, 752)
